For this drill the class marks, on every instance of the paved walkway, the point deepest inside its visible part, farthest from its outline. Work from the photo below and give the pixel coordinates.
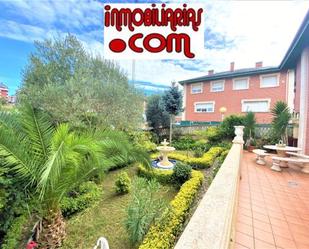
(273, 208)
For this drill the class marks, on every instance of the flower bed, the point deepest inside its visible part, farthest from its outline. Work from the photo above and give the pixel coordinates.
(162, 234)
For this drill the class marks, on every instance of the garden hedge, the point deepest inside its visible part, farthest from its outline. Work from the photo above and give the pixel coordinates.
(14, 233)
(205, 161)
(87, 194)
(162, 176)
(163, 234)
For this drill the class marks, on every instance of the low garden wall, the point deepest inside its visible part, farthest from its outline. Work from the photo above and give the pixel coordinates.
(211, 225)
(260, 130)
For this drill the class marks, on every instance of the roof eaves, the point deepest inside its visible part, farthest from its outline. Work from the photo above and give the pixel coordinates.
(296, 40)
(230, 75)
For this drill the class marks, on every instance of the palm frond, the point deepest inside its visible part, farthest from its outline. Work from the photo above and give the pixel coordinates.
(8, 121)
(118, 149)
(51, 170)
(281, 117)
(68, 163)
(14, 150)
(38, 130)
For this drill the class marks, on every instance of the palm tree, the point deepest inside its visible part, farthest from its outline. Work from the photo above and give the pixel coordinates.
(281, 117)
(50, 161)
(250, 123)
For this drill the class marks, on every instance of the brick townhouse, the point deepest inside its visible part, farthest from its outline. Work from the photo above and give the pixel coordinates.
(3, 91)
(255, 89)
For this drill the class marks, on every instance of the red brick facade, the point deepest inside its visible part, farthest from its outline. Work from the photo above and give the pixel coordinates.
(232, 99)
(4, 93)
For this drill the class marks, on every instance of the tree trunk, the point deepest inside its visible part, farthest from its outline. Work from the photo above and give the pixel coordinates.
(53, 231)
(171, 129)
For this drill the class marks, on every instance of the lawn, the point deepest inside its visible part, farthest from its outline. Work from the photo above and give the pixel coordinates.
(106, 217)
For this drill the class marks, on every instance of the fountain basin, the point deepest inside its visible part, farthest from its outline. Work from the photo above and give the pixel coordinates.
(165, 148)
(156, 164)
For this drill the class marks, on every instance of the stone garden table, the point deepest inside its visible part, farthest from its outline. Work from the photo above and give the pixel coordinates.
(281, 151)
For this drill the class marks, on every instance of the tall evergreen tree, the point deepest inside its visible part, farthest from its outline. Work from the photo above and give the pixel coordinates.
(156, 115)
(172, 100)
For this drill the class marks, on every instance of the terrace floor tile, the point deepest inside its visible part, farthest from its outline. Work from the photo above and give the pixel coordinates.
(273, 207)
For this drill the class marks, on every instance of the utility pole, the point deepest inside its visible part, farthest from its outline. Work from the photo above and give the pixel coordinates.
(133, 72)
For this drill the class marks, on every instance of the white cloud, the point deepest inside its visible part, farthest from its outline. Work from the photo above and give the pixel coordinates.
(259, 30)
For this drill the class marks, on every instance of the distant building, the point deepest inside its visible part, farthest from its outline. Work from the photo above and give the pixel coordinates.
(12, 99)
(4, 91)
(255, 89)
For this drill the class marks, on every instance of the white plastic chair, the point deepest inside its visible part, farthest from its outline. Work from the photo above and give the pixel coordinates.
(102, 243)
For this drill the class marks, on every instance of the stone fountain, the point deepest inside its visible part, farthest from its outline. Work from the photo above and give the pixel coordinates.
(165, 150)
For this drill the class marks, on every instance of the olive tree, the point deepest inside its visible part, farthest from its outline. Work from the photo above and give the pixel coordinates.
(74, 86)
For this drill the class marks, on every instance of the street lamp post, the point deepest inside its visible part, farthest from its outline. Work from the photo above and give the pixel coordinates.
(222, 110)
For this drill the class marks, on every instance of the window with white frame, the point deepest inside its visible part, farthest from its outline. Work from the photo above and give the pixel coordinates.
(269, 80)
(197, 88)
(204, 107)
(255, 105)
(240, 84)
(217, 86)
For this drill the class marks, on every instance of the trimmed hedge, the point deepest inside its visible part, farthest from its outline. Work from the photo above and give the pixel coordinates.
(220, 161)
(13, 236)
(205, 161)
(86, 195)
(161, 175)
(162, 234)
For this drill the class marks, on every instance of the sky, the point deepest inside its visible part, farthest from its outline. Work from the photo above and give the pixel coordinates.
(241, 31)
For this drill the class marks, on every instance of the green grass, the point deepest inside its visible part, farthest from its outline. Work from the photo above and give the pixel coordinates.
(106, 217)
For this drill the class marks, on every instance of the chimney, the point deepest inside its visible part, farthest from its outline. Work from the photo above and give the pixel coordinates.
(210, 72)
(232, 66)
(259, 64)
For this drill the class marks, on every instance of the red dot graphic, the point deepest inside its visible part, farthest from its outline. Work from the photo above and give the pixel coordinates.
(117, 45)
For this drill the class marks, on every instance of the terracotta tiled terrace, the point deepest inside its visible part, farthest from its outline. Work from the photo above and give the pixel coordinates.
(273, 207)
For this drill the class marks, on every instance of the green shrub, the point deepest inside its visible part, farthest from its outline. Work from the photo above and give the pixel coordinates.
(250, 125)
(142, 209)
(163, 233)
(225, 144)
(202, 144)
(123, 183)
(14, 233)
(223, 156)
(213, 134)
(13, 203)
(227, 129)
(87, 194)
(198, 152)
(162, 176)
(205, 161)
(281, 116)
(143, 140)
(181, 173)
(184, 143)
